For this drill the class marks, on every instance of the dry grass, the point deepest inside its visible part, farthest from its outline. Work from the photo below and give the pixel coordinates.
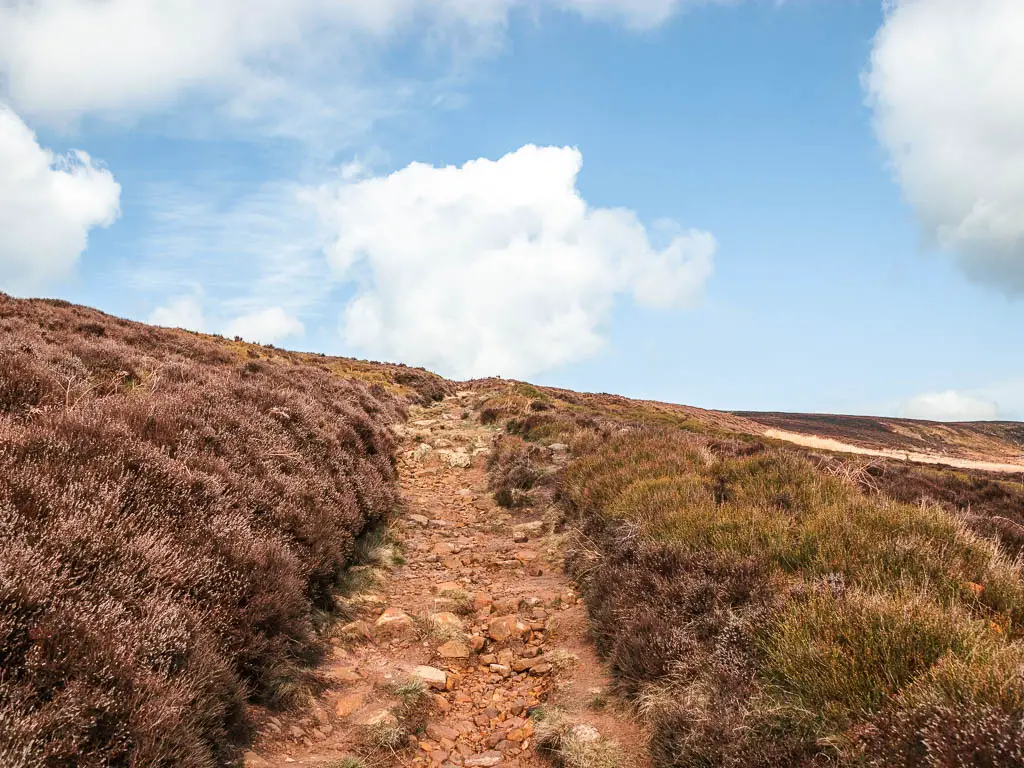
(390, 730)
(573, 745)
(767, 607)
(768, 613)
(177, 511)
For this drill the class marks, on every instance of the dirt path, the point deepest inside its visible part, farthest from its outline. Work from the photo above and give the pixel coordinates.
(480, 612)
(828, 444)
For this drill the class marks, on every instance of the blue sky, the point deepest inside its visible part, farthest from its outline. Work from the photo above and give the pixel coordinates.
(803, 206)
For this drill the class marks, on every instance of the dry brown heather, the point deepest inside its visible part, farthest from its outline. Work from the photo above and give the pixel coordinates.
(768, 607)
(174, 510)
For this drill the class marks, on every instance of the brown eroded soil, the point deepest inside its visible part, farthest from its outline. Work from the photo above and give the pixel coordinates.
(830, 444)
(463, 568)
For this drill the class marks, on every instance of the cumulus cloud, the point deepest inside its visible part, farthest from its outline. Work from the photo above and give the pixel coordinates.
(180, 312)
(951, 405)
(495, 267)
(267, 326)
(65, 58)
(48, 205)
(944, 84)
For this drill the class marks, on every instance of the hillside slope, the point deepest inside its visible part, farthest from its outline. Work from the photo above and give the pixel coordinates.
(181, 515)
(175, 510)
(763, 604)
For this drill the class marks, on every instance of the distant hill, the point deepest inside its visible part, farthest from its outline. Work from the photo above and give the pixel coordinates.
(987, 441)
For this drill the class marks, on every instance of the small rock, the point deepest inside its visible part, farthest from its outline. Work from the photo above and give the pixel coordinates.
(442, 704)
(521, 665)
(504, 627)
(394, 621)
(252, 760)
(460, 459)
(526, 531)
(453, 650)
(419, 519)
(484, 760)
(432, 676)
(446, 621)
(505, 605)
(558, 447)
(439, 732)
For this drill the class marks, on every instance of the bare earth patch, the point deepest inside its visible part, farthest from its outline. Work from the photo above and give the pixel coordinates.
(464, 640)
(829, 444)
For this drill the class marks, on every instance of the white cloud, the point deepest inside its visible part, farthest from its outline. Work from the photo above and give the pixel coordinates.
(69, 57)
(66, 58)
(267, 326)
(495, 267)
(951, 405)
(640, 14)
(945, 86)
(180, 312)
(48, 204)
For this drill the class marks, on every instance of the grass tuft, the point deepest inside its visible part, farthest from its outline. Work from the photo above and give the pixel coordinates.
(573, 745)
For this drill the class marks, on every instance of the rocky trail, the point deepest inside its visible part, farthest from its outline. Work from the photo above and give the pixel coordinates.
(466, 643)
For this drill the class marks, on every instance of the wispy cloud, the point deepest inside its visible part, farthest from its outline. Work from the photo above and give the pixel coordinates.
(248, 251)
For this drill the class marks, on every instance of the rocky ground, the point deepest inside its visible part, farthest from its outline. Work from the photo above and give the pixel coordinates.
(467, 644)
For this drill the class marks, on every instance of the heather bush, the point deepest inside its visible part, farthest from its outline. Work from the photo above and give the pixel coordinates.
(765, 612)
(173, 511)
(961, 713)
(991, 505)
(514, 467)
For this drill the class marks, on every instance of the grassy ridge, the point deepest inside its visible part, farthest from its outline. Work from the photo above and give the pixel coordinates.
(175, 510)
(763, 611)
